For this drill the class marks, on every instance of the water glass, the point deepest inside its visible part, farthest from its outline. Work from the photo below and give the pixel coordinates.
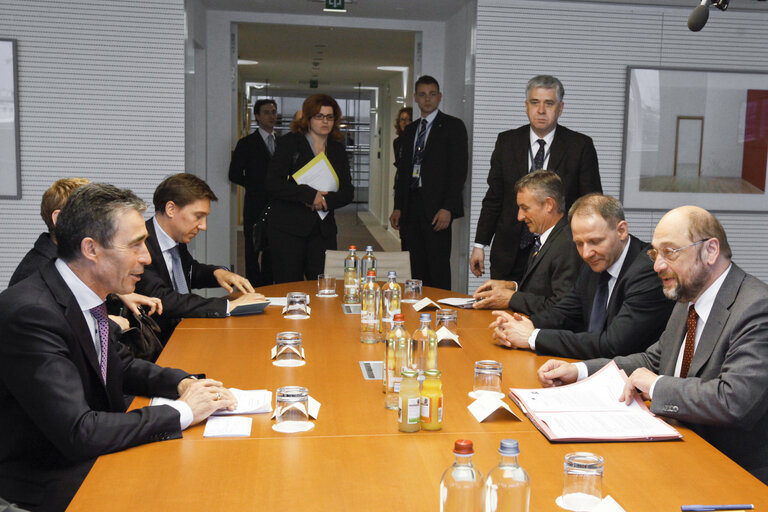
(412, 290)
(288, 346)
(582, 481)
(487, 378)
(291, 405)
(326, 285)
(447, 318)
(296, 304)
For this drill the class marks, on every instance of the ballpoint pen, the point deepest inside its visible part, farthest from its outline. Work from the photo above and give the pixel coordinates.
(701, 508)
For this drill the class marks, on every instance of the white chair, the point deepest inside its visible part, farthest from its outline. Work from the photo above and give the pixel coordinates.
(399, 261)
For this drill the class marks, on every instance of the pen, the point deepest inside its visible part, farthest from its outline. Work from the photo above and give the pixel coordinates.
(701, 508)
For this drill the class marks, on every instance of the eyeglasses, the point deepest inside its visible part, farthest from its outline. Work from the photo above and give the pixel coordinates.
(670, 254)
(326, 117)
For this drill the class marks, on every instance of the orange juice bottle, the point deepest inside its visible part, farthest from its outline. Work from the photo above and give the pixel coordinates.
(432, 401)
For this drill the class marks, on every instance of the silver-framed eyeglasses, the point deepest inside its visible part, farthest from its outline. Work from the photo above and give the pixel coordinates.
(669, 254)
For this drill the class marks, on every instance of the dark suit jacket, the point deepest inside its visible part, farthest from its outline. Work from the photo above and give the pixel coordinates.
(156, 282)
(41, 253)
(443, 167)
(637, 312)
(725, 396)
(572, 157)
(248, 168)
(290, 212)
(57, 414)
(551, 274)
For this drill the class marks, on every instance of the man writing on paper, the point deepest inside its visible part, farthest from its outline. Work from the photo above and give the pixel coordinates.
(182, 204)
(708, 368)
(63, 373)
(553, 263)
(616, 307)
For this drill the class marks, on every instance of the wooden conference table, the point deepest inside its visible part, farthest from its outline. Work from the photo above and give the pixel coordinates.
(355, 458)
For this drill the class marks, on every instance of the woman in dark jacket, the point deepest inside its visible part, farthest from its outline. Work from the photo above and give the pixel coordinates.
(298, 237)
(404, 118)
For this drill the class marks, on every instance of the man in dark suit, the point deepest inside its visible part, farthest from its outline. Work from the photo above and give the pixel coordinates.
(428, 194)
(708, 367)
(182, 204)
(616, 306)
(542, 144)
(63, 374)
(248, 169)
(553, 263)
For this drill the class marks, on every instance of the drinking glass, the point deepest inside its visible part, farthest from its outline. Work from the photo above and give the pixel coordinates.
(447, 318)
(326, 285)
(296, 305)
(582, 481)
(288, 347)
(487, 379)
(291, 405)
(412, 290)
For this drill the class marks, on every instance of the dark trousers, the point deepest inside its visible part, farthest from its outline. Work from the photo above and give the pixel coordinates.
(258, 264)
(430, 250)
(298, 258)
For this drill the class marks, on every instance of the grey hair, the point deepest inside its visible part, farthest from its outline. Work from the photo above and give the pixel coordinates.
(544, 184)
(545, 82)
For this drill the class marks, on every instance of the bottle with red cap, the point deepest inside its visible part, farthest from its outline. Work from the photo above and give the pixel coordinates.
(461, 488)
(352, 277)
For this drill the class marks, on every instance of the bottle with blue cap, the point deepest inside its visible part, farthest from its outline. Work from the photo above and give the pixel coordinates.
(507, 487)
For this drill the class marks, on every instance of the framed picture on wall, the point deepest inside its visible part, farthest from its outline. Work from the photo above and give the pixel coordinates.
(695, 137)
(10, 166)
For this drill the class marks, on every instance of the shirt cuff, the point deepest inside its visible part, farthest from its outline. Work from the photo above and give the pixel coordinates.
(185, 413)
(480, 246)
(227, 307)
(653, 386)
(583, 372)
(532, 339)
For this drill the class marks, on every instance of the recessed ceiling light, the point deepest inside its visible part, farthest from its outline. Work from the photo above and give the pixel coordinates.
(246, 62)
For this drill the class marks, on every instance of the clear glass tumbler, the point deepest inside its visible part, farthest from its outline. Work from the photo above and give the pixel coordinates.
(288, 346)
(326, 285)
(412, 290)
(291, 405)
(487, 378)
(447, 318)
(582, 481)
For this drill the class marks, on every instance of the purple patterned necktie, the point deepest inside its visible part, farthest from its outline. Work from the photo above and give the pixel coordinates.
(100, 314)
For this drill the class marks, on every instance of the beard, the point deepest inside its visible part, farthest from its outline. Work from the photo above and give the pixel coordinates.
(686, 292)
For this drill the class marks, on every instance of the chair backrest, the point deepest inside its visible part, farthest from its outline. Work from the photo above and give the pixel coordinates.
(399, 261)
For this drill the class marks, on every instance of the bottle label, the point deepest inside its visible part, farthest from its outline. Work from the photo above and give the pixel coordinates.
(425, 416)
(413, 410)
(440, 410)
(396, 384)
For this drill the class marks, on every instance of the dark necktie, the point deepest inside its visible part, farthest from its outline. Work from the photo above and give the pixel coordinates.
(100, 314)
(690, 341)
(600, 304)
(177, 273)
(271, 144)
(538, 160)
(534, 251)
(418, 153)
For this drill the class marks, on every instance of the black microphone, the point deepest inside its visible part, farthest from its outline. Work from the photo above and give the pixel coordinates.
(698, 17)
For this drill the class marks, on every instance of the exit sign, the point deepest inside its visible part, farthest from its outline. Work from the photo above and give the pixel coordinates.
(334, 6)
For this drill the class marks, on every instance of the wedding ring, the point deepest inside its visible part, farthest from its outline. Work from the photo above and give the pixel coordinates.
(218, 396)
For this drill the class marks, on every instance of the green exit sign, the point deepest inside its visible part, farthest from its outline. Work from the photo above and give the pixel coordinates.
(334, 6)
(313, 84)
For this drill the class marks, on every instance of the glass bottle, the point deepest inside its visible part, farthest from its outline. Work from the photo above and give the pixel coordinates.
(424, 343)
(352, 277)
(368, 261)
(396, 336)
(402, 358)
(461, 487)
(508, 488)
(409, 402)
(370, 310)
(390, 300)
(432, 401)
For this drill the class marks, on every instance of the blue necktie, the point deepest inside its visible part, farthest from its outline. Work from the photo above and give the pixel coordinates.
(179, 283)
(418, 153)
(600, 304)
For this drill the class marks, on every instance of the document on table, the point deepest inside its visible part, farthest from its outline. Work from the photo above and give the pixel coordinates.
(248, 402)
(458, 302)
(320, 175)
(590, 410)
(231, 426)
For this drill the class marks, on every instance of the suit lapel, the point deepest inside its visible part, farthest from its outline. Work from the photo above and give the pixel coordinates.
(615, 304)
(434, 133)
(157, 255)
(678, 319)
(544, 248)
(520, 149)
(718, 316)
(557, 151)
(72, 312)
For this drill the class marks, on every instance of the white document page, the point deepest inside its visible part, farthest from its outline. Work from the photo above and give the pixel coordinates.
(320, 175)
(231, 426)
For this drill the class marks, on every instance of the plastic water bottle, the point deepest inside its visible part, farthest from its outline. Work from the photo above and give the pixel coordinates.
(370, 310)
(461, 488)
(367, 262)
(507, 488)
(390, 300)
(352, 277)
(397, 336)
(424, 345)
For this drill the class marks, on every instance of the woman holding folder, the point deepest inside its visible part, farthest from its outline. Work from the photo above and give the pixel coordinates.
(301, 224)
